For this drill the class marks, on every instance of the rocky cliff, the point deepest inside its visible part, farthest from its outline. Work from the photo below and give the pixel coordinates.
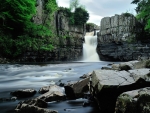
(67, 40)
(117, 39)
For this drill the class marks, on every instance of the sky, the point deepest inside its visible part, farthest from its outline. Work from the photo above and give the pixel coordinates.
(103, 8)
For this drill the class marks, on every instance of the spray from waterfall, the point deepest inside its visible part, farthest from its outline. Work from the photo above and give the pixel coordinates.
(89, 48)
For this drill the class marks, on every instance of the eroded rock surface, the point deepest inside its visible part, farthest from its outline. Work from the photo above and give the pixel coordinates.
(77, 89)
(55, 93)
(117, 39)
(136, 101)
(25, 108)
(107, 85)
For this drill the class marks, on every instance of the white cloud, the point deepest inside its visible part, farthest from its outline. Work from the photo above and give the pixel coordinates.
(103, 8)
(95, 19)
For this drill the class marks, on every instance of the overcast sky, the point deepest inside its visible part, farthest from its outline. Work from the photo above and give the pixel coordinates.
(103, 8)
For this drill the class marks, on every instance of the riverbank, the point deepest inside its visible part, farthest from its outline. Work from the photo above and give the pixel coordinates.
(23, 76)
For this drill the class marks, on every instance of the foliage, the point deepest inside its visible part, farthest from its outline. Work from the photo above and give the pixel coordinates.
(74, 4)
(143, 15)
(69, 14)
(17, 31)
(78, 17)
(127, 14)
(81, 16)
(143, 9)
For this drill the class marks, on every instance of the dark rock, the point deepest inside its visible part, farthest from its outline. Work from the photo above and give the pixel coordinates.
(86, 75)
(77, 89)
(86, 103)
(24, 93)
(136, 101)
(34, 102)
(106, 68)
(8, 99)
(107, 85)
(25, 108)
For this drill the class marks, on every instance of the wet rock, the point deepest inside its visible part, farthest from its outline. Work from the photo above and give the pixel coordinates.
(115, 67)
(24, 93)
(77, 89)
(55, 93)
(125, 104)
(34, 102)
(86, 75)
(86, 103)
(106, 68)
(49, 88)
(107, 85)
(124, 65)
(8, 99)
(136, 101)
(25, 108)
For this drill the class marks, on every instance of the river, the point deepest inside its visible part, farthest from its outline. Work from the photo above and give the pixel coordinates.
(19, 76)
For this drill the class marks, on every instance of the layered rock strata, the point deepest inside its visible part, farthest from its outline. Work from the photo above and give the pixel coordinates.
(67, 42)
(107, 85)
(117, 39)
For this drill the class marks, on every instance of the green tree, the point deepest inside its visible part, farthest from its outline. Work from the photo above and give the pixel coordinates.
(74, 4)
(81, 16)
(143, 9)
(17, 31)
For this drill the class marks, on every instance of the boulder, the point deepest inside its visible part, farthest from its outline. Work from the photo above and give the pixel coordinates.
(125, 65)
(50, 88)
(77, 89)
(136, 101)
(23, 93)
(25, 108)
(86, 75)
(34, 102)
(107, 85)
(55, 93)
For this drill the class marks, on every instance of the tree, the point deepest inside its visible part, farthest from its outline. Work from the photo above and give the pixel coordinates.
(143, 9)
(18, 32)
(80, 16)
(74, 4)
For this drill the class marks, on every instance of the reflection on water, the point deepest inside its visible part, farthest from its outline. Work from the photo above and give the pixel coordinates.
(17, 76)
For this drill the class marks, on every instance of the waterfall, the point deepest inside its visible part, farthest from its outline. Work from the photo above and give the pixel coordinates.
(89, 48)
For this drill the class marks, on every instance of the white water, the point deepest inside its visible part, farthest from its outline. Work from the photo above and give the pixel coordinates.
(89, 48)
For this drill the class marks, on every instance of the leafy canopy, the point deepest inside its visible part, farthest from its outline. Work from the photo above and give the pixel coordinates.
(19, 33)
(143, 12)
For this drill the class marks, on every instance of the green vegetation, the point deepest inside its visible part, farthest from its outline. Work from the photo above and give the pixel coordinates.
(17, 31)
(77, 17)
(143, 15)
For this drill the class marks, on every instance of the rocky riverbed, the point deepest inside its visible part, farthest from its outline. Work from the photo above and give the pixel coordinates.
(112, 87)
(25, 86)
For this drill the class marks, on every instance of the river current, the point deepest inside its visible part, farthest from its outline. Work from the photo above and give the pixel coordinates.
(21, 76)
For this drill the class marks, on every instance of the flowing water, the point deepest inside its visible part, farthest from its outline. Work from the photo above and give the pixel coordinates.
(18, 76)
(89, 48)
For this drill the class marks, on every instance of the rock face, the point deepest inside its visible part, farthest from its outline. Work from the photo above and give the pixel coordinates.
(117, 28)
(116, 39)
(107, 85)
(67, 42)
(136, 101)
(77, 89)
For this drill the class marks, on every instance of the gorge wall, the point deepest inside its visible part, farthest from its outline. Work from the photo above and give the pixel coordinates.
(117, 39)
(67, 40)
